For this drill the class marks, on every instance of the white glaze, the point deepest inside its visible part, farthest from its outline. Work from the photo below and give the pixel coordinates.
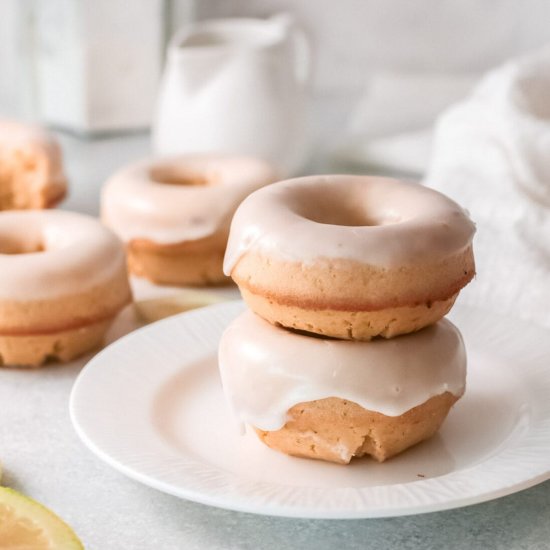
(408, 223)
(18, 136)
(137, 207)
(267, 370)
(78, 254)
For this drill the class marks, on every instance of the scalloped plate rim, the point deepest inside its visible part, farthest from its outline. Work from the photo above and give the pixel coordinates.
(243, 503)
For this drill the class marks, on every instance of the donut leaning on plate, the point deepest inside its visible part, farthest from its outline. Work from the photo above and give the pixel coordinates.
(31, 171)
(63, 280)
(350, 257)
(337, 399)
(174, 213)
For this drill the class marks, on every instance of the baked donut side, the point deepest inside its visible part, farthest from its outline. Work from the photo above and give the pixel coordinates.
(31, 167)
(336, 399)
(337, 430)
(349, 300)
(350, 256)
(34, 350)
(174, 213)
(61, 329)
(64, 280)
(196, 263)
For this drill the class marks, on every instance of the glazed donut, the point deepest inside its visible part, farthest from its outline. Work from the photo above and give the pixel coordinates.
(174, 213)
(335, 399)
(31, 172)
(62, 281)
(351, 257)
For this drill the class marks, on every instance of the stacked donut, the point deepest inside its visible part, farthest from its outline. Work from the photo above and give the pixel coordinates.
(345, 351)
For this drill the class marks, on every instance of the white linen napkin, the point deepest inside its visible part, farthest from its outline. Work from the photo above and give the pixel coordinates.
(492, 154)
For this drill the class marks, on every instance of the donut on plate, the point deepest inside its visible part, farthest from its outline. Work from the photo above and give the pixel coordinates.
(62, 281)
(174, 213)
(350, 257)
(338, 399)
(31, 172)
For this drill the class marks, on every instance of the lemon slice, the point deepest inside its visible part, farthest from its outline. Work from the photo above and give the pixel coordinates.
(27, 525)
(159, 308)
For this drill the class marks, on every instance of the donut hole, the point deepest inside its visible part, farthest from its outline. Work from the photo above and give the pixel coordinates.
(179, 176)
(349, 211)
(11, 247)
(348, 218)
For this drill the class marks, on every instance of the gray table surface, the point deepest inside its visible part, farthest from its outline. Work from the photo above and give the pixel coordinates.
(43, 457)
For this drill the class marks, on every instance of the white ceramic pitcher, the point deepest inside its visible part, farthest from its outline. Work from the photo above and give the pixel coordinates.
(236, 86)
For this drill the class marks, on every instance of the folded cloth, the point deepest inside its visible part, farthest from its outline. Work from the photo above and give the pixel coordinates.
(492, 154)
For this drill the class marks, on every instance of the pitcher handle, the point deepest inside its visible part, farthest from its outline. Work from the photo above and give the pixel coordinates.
(301, 47)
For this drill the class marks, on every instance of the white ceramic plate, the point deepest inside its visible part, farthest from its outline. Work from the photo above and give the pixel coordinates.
(151, 406)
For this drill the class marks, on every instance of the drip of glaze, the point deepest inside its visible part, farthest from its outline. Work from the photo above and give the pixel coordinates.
(267, 370)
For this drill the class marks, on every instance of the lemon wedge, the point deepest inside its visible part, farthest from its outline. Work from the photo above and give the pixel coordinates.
(159, 308)
(27, 525)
